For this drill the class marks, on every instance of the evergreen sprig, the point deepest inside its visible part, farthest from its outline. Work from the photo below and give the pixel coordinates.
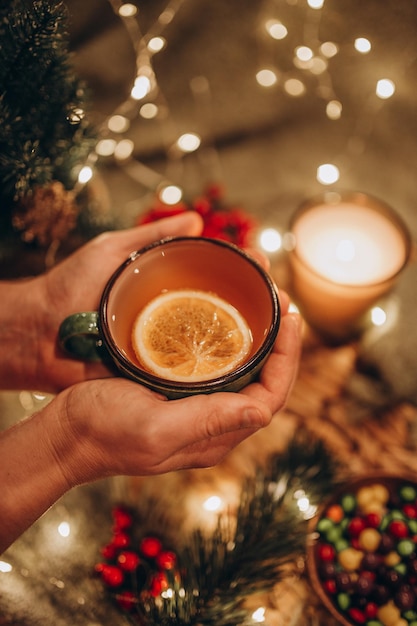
(222, 570)
(42, 134)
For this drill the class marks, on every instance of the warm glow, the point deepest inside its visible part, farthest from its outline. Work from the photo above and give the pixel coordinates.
(259, 615)
(86, 174)
(276, 29)
(315, 4)
(106, 147)
(141, 88)
(213, 503)
(124, 149)
(156, 44)
(5, 567)
(304, 53)
(266, 78)
(127, 10)
(148, 111)
(118, 123)
(64, 529)
(171, 194)
(318, 65)
(329, 49)
(378, 316)
(385, 88)
(362, 45)
(270, 240)
(294, 87)
(189, 142)
(334, 110)
(345, 250)
(327, 174)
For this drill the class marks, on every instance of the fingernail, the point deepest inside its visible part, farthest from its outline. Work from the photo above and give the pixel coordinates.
(252, 418)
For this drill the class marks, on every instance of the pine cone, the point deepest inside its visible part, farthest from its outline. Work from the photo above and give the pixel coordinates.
(46, 214)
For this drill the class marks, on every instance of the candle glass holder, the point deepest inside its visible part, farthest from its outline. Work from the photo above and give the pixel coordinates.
(349, 249)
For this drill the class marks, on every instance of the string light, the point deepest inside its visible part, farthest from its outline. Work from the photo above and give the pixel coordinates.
(378, 316)
(276, 29)
(213, 504)
(170, 194)
(270, 240)
(385, 88)
(362, 45)
(189, 142)
(5, 567)
(266, 77)
(258, 616)
(127, 10)
(327, 174)
(64, 529)
(85, 174)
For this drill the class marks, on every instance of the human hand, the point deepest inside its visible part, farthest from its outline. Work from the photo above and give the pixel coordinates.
(119, 427)
(76, 285)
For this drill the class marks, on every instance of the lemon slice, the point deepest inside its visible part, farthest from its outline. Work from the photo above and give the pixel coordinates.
(190, 335)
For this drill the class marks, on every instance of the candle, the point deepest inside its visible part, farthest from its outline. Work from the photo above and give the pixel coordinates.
(349, 248)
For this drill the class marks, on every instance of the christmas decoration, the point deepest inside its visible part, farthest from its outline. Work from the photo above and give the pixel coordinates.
(45, 135)
(221, 221)
(206, 578)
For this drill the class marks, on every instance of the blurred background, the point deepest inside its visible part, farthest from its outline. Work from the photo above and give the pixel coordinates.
(270, 90)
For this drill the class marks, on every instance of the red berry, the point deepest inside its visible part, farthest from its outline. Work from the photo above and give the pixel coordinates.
(330, 586)
(128, 560)
(326, 552)
(397, 528)
(373, 520)
(150, 547)
(357, 615)
(126, 600)
(122, 518)
(166, 560)
(158, 584)
(109, 551)
(410, 510)
(112, 575)
(356, 526)
(120, 540)
(371, 610)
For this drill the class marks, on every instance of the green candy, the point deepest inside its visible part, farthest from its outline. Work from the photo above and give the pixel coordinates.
(412, 525)
(408, 493)
(334, 533)
(341, 544)
(324, 525)
(348, 503)
(374, 622)
(343, 601)
(405, 547)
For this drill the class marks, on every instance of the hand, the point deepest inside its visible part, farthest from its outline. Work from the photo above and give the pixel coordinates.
(119, 427)
(76, 285)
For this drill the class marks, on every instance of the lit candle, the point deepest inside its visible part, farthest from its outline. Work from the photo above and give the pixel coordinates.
(349, 248)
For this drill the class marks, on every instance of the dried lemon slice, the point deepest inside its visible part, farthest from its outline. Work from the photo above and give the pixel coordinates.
(190, 335)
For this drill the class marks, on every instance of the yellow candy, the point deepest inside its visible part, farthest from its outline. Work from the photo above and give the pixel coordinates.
(389, 614)
(350, 559)
(392, 559)
(369, 539)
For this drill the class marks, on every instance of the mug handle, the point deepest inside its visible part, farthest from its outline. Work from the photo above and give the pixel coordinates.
(79, 337)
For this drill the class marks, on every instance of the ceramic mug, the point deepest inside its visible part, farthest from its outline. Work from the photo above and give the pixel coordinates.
(190, 263)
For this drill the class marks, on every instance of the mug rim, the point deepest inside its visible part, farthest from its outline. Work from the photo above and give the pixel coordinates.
(364, 199)
(205, 386)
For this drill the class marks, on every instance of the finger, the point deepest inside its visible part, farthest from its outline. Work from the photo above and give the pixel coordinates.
(280, 371)
(284, 301)
(188, 223)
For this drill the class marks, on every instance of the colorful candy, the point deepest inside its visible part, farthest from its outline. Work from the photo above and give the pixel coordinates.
(366, 554)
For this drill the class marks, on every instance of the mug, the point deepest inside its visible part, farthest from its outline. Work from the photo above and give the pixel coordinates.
(180, 264)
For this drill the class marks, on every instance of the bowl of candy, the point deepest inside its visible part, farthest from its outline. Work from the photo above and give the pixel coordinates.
(362, 558)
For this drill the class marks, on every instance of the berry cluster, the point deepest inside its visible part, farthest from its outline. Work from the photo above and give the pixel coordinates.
(133, 570)
(366, 554)
(230, 224)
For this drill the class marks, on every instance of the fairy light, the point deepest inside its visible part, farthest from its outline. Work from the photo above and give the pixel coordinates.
(362, 45)
(318, 65)
(270, 240)
(5, 567)
(258, 616)
(378, 316)
(276, 29)
(334, 110)
(329, 49)
(85, 174)
(189, 142)
(327, 174)
(64, 529)
(315, 4)
(213, 504)
(266, 78)
(127, 10)
(124, 149)
(106, 147)
(385, 88)
(304, 53)
(294, 87)
(141, 87)
(118, 124)
(171, 194)
(156, 44)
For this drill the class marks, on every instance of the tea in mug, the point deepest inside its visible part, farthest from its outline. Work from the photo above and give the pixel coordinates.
(191, 335)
